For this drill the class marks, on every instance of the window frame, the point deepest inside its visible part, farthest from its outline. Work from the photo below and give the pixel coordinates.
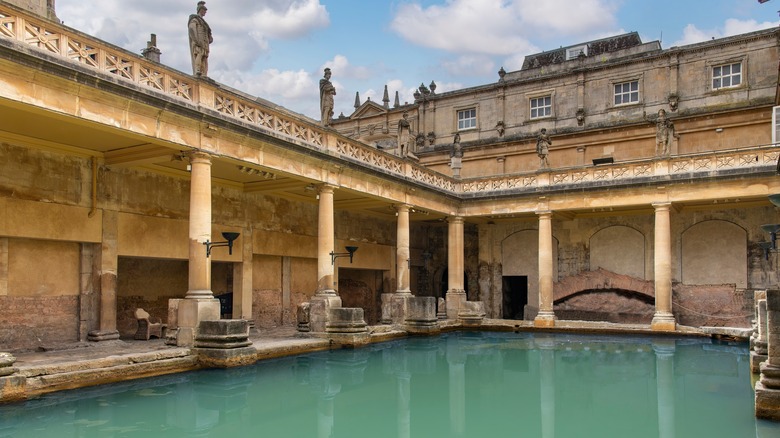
(460, 122)
(628, 93)
(574, 52)
(531, 108)
(775, 126)
(730, 63)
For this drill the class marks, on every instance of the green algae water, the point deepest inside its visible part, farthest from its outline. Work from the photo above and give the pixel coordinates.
(469, 384)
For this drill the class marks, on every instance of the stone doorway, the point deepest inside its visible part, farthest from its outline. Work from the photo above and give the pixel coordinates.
(515, 296)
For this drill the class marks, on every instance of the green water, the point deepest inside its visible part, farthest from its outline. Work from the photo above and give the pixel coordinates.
(459, 384)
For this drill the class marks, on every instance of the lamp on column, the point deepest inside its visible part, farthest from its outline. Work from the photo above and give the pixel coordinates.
(229, 239)
(766, 247)
(350, 252)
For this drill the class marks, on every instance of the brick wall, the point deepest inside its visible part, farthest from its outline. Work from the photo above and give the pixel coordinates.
(29, 323)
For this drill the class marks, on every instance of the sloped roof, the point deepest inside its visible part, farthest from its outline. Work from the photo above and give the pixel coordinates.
(597, 47)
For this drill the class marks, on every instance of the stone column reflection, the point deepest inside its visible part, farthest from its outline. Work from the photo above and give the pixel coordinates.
(663, 318)
(404, 380)
(547, 384)
(664, 365)
(456, 360)
(546, 316)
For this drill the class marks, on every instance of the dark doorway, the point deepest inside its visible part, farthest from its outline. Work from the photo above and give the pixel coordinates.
(515, 288)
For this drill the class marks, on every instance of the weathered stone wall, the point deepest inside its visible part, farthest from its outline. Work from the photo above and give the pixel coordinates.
(28, 323)
(715, 255)
(362, 288)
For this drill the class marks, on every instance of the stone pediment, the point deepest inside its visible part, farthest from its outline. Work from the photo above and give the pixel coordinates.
(368, 109)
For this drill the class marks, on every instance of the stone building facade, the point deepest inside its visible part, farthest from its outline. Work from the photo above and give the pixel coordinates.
(108, 162)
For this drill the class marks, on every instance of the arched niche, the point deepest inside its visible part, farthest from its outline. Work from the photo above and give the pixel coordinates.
(618, 249)
(714, 252)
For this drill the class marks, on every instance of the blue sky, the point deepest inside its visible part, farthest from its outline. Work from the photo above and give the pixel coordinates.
(277, 49)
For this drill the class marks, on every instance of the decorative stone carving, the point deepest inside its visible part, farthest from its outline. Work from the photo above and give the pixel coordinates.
(581, 116)
(200, 39)
(327, 91)
(500, 128)
(543, 143)
(441, 312)
(501, 74)
(405, 137)
(431, 138)
(673, 102)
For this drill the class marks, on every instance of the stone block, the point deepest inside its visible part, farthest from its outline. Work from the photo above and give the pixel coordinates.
(319, 310)
(421, 315)
(191, 312)
(471, 313)
(223, 334)
(453, 301)
(13, 388)
(441, 311)
(6, 364)
(303, 316)
(387, 317)
(346, 320)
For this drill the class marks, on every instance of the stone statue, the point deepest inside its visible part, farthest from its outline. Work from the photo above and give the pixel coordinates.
(457, 149)
(200, 38)
(543, 143)
(664, 133)
(327, 91)
(405, 137)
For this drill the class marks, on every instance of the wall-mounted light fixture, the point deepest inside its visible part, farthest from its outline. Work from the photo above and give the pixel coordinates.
(229, 239)
(772, 229)
(350, 252)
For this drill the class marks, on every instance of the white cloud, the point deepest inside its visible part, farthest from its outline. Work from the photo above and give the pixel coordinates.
(732, 26)
(470, 65)
(499, 27)
(340, 67)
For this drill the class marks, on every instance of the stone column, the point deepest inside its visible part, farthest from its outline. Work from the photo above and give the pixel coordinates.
(106, 265)
(758, 354)
(326, 297)
(664, 366)
(768, 387)
(456, 293)
(663, 318)
(199, 303)
(242, 280)
(546, 316)
(403, 292)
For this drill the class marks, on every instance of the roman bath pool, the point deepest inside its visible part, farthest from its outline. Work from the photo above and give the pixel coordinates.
(460, 384)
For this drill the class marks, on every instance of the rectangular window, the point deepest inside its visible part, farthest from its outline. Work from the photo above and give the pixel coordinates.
(575, 52)
(541, 107)
(727, 76)
(627, 92)
(776, 124)
(467, 119)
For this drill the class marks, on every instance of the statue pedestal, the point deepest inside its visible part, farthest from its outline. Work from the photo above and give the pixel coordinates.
(319, 310)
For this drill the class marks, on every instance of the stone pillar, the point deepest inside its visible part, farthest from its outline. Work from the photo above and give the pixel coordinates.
(664, 366)
(663, 318)
(242, 280)
(768, 387)
(3, 266)
(456, 293)
(758, 355)
(199, 303)
(106, 265)
(403, 292)
(326, 297)
(546, 316)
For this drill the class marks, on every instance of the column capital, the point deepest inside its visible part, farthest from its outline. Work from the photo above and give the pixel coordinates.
(402, 207)
(662, 205)
(455, 219)
(544, 214)
(198, 156)
(326, 188)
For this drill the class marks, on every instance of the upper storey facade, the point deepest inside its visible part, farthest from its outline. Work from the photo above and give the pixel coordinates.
(597, 100)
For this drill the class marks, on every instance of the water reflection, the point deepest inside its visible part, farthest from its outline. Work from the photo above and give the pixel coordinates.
(457, 385)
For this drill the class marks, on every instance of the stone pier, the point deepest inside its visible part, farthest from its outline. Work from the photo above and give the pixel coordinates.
(768, 387)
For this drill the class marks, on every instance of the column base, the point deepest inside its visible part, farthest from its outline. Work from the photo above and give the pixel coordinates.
(756, 360)
(190, 313)
(319, 310)
(663, 322)
(545, 319)
(399, 306)
(199, 294)
(103, 335)
(453, 300)
(767, 402)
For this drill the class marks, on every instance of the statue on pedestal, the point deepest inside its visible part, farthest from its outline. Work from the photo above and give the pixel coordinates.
(327, 91)
(200, 38)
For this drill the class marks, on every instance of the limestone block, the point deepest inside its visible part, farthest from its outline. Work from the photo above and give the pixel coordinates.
(304, 317)
(421, 315)
(223, 334)
(346, 320)
(13, 388)
(472, 312)
(387, 300)
(320, 306)
(441, 312)
(6, 364)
